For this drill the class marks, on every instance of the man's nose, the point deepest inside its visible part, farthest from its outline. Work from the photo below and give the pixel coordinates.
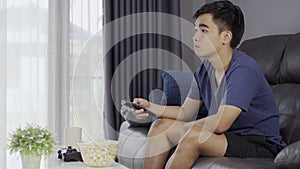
(195, 38)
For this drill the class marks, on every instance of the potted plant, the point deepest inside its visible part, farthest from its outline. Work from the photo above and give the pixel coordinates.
(32, 143)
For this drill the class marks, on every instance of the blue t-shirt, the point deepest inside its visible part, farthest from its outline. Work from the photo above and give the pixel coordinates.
(245, 87)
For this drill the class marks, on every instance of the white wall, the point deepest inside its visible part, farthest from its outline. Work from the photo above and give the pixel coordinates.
(267, 17)
(262, 17)
(188, 8)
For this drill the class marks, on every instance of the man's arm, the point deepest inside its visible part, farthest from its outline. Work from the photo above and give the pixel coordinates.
(186, 112)
(221, 121)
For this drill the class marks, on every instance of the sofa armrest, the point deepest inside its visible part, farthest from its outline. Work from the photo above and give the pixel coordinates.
(289, 157)
(132, 144)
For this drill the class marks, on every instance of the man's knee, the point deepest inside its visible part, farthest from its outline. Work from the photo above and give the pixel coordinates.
(195, 137)
(168, 128)
(160, 125)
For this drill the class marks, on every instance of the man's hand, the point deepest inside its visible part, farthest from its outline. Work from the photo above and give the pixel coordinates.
(186, 112)
(142, 103)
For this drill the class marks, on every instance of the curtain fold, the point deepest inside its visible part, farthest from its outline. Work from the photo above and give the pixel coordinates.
(86, 67)
(23, 68)
(58, 66)
(3, 122)
(137, 48)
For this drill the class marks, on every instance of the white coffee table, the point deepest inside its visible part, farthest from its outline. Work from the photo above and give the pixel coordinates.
(52, 162)
(59, 164)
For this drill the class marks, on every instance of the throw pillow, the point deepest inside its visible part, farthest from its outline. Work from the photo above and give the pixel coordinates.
(289, 157)
(176, 85)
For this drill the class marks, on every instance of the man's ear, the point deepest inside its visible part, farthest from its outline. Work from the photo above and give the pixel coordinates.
(226, 37)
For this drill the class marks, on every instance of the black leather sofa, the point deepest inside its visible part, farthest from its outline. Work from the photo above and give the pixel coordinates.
(279, 58)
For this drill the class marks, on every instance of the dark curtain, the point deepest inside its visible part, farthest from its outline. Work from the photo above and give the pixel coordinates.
(127, 60)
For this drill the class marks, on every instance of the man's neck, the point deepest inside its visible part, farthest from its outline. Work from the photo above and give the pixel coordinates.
(221, 59)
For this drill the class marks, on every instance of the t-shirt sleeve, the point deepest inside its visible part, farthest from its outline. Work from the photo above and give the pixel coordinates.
(242, 85)
(194, 92)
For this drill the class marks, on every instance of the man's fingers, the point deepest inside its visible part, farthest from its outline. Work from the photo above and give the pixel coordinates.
(136, 101)
(142, 116)
(138, 113)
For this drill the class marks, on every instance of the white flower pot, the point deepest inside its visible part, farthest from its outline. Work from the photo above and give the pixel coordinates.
(31, 162)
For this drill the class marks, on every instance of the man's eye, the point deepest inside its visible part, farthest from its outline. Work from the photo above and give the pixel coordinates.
(203, 30)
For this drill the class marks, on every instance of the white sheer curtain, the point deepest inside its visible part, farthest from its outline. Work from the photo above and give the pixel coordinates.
(27, 41)
(42, 42)
(86, 71)
(23, 66)
(58, 65)
(3, 123)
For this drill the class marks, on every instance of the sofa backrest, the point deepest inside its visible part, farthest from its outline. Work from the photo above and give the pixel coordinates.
(279, 59)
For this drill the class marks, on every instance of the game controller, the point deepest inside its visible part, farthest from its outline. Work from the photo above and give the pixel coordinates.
(132, 105)
(131, 117)
(69, 154)
(136, 107)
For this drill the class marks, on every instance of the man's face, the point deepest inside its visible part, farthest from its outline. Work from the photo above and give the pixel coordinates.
(207, 39)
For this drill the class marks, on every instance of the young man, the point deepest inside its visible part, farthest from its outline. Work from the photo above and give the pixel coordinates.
(242, 120)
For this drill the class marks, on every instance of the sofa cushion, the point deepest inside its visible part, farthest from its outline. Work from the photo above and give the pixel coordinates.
(132, 144)
(289, 157)
(288, 103)
(289, 69)
(267, 51)
(234, 163)
(176, 85)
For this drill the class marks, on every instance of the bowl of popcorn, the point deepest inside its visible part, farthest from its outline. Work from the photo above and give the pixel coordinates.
(99, 153)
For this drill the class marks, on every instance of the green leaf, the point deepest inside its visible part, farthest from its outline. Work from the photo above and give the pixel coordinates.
(32, 140)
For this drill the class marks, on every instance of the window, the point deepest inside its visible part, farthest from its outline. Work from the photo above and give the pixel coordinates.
(26, 64)
(86, 70)
(27, 41)
(24, 68)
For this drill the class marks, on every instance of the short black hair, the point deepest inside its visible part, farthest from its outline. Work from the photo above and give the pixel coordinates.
(227, 16)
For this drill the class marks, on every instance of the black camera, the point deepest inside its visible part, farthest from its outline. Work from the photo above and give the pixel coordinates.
(69, 154)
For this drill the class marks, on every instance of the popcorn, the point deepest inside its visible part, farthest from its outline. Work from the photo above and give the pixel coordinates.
(99, 154)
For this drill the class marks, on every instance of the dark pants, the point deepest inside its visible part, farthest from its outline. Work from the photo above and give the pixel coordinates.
(250, 146)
